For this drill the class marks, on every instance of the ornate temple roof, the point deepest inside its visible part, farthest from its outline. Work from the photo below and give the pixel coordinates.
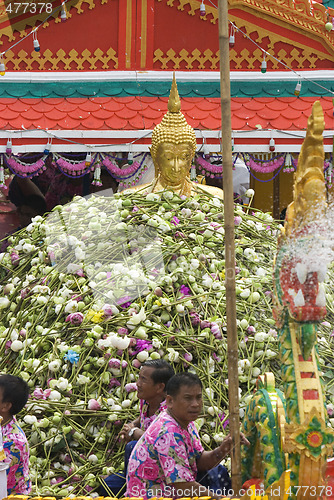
(126, 107)
(112, 90)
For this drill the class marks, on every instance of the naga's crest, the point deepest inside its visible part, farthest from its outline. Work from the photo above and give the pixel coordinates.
(300, 266)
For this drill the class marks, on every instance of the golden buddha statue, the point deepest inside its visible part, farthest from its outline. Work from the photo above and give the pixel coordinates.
(173, 148)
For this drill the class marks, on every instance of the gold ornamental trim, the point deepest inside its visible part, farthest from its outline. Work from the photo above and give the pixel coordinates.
(61, 60)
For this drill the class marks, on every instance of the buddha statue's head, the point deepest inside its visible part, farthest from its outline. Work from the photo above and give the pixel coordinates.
(173, 143)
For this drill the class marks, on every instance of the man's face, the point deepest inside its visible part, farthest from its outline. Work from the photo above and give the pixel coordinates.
(174, 162)
(146, 388)
(186, 406)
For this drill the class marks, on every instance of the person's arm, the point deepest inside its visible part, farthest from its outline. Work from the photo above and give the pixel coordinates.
(124, 434)
(210, 459)
(190, 489)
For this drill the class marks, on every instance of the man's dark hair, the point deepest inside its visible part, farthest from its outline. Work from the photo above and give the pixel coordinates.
(14, 390)
(35, 202)
(177, 381)
(162, 370)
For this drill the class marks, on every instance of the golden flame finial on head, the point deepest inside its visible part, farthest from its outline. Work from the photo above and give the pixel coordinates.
(173, 128)
(174, 103)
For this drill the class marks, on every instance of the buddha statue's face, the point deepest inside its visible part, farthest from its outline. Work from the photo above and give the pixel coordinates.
(174, 162)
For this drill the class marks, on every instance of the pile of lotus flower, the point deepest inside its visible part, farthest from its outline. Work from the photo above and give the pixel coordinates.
(99, 286)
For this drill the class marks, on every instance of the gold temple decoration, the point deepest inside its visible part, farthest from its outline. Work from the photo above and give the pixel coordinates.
(173, 127)
(173, 148)
(309, 191)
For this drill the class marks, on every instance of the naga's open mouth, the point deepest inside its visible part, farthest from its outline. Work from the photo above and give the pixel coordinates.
(302, 287)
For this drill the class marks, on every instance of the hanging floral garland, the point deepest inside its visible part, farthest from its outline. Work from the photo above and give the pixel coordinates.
(75, 168)
(264, 166)
(129, 176)
(22, 169)
(118, 172)
(210, 170)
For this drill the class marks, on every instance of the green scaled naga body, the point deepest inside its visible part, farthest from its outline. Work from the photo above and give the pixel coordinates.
(288, 430)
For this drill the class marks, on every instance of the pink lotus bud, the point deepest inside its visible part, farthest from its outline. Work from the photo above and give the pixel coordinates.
(131, 387)
(107, 311)
(136, 363)
(114, 383)
(188, 357)
(14, 257)
(122, 331)
(114, 363)
(75, 318)
(93, 405)
(38, 393)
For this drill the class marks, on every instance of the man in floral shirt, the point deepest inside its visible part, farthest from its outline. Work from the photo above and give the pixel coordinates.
(151, 390)
(166, 459)
(14, 393)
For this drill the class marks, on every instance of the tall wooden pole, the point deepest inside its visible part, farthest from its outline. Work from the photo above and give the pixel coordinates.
(232, 339)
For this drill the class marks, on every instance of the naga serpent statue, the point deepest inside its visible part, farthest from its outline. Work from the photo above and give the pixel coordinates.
(288, 430)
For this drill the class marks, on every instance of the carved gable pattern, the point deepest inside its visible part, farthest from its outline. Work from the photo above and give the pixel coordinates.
(61, 61)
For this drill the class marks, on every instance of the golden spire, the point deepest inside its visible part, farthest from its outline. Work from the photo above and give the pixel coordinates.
(174, 103)
(173, 128)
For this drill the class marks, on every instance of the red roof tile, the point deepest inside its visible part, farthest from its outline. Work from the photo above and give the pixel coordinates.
(44, 107)
(100, 100)
(136, 105)
(3, 124)
(18, 106)
(276, 105)
(198, 114)
(252, 104)
(90, 106)
(137, 122)
(31, 114)
(268, 114)
(113, 105)
(102, 114)
(131, 113)
(77, 114)
(8, 114)
(236, 104)
(75, 100)
(19, 123)
(281, 123)
(114, 121)
(126, 113)
(153, 114)
(244, 113)
(238, 124)
(91, 123)
(65, 106)
(70, 124)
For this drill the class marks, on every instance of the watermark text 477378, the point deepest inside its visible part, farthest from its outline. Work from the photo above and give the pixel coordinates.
(13, 7)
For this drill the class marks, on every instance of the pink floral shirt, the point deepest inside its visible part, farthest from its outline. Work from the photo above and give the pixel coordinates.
(145, 420)
(165, 454)
(16, 449)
